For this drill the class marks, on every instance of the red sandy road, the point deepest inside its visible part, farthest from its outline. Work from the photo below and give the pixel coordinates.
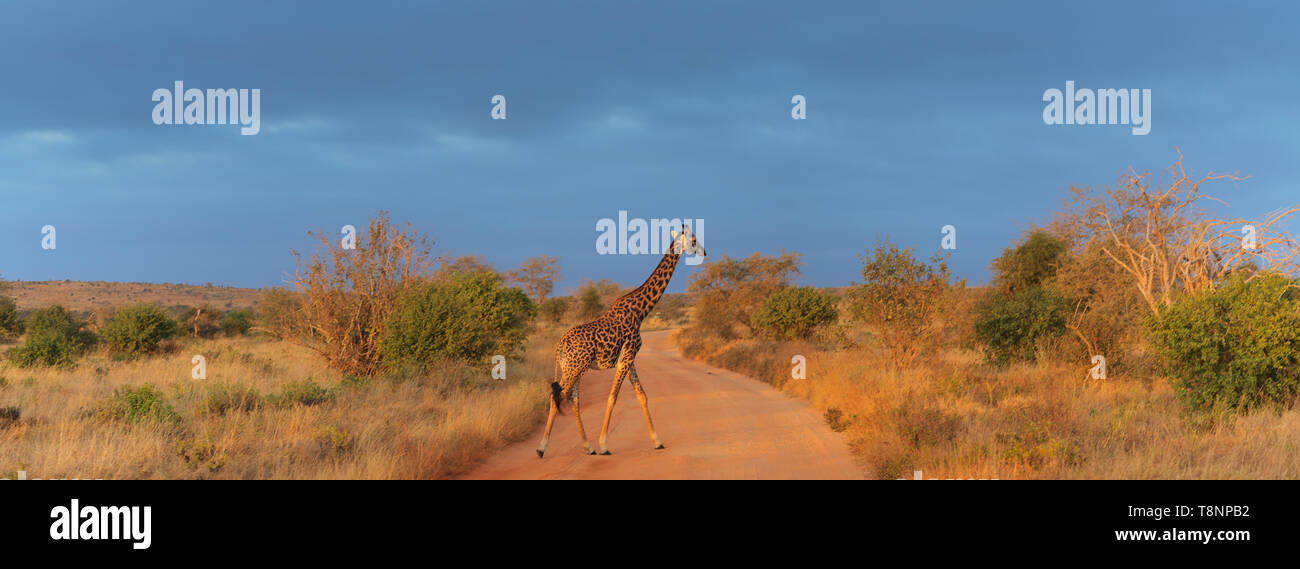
(716, 424)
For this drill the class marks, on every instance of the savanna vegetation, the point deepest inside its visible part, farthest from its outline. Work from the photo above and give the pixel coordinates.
(372, 363)
(1196, 330)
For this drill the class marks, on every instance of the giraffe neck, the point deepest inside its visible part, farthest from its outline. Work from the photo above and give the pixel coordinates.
(643, 299)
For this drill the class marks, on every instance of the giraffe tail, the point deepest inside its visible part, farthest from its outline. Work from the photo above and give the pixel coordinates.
(556, 395)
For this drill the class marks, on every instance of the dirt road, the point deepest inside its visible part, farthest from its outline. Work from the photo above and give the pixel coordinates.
(715, 424)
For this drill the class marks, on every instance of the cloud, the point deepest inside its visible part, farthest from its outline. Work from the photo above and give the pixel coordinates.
(41, 137)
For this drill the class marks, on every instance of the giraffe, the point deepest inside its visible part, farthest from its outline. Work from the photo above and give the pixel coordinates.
(612, 340)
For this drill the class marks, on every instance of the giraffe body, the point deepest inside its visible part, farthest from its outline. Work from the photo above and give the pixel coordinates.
(612, 340)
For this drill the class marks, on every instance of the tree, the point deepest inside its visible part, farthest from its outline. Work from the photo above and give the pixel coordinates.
(201, 322)
(10, 325)
(589, 305)
(1030, 263)
(1022, 307)
(537, 276)
(237, 323)
(728, 290)
(277, 311)
(900, 299)
(553, 309)
(1166, 242)
(347, 294)
(451, 265)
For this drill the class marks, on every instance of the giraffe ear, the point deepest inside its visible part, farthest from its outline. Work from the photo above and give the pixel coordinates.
(674, 232)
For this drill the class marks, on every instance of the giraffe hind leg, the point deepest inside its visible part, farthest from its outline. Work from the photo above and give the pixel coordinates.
(546, 436)
(609, 407)
(640, 395)
(577, 412)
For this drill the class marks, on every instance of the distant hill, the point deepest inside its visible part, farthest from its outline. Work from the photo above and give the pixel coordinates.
(80, 296)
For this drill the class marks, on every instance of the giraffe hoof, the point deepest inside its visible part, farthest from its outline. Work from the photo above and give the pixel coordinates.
(606, 453)
(660, 447)
(539, 454)
(591, 452)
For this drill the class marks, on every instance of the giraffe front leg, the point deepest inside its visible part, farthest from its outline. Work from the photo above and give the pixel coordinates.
(609, 407)
(640, 395)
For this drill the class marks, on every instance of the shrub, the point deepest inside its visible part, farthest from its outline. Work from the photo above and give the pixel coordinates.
(1108, 315)
(728, 291)
(1238, 346)
(835, 419)
(451, 265)
(469, 317)
(9, 415)
(794, 313)
(537, 276)
(553, 309)
(143, 404)
(306, 392)
(277, 310)
(237, 323)
(671, 308)
(589, 305)
(348, 294)
(924, 424)
(1031, 263)
(200, 322)
(900, 299)
(10, 325)
(54, 338)
(221, 398)
(1010, 327)
(138, 329)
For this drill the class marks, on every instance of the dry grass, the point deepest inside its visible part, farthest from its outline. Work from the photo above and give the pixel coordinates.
(79, 296)
(951, 416)
(256, 417)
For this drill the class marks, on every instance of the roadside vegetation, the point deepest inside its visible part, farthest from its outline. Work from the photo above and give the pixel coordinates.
(373, 363)
(920, 372)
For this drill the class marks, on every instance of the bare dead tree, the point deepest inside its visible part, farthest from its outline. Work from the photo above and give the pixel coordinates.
(1167, 242)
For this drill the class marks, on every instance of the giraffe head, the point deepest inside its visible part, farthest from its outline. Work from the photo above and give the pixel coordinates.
(685, 243)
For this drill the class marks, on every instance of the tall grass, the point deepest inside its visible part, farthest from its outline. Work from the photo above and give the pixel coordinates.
(268, 409)
(951, 416)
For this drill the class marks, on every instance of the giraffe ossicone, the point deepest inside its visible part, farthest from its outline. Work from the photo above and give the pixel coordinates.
(612, 340)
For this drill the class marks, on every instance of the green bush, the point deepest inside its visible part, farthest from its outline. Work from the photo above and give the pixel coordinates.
(221, 398)
(306, 392)
(1009, 327)
(54, 338)
(794, 313)
(1238, 346)
(200, 322)
(138, 329)
(553, 309)
(1023, 308)
(237, 323)
(143, 404)
(468, 317)
(1032, 262)
(277, 311)
(902, 299)
(589, 305)
(10, 325)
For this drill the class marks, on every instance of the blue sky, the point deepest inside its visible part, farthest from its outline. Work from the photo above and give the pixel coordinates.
(920, 115)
